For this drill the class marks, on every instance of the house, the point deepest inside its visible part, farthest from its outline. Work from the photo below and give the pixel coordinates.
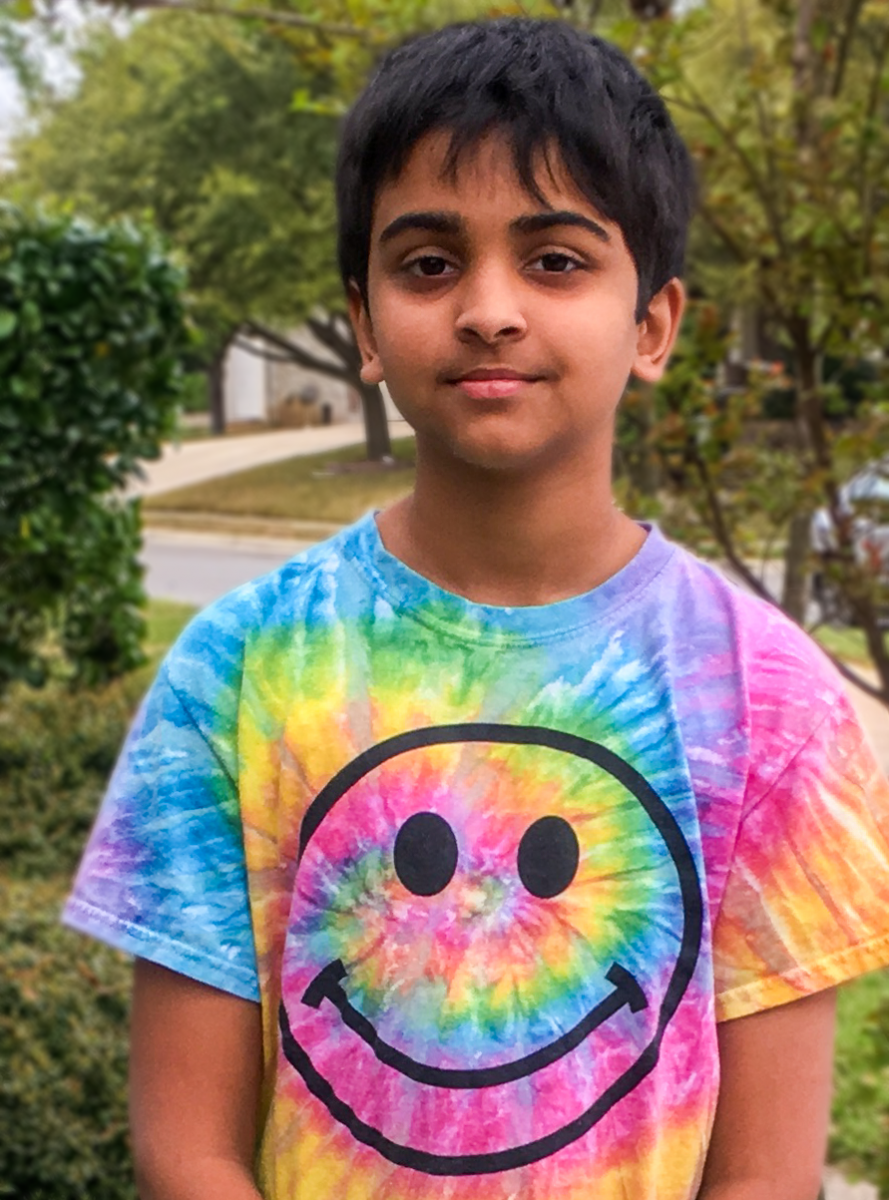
(260, 386)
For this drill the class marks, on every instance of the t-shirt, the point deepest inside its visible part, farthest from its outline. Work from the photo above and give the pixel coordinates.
(494, 874)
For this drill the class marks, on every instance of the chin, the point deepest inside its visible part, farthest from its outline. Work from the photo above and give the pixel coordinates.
(497, 446)
(499, 456)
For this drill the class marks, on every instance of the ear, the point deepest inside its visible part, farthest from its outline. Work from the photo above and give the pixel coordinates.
(371, 367)
(658, 331)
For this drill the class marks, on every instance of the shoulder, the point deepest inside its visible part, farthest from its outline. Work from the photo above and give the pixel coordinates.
(772, 653)
(772, 685)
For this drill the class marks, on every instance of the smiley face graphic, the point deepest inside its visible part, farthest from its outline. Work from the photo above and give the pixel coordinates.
(492, 927)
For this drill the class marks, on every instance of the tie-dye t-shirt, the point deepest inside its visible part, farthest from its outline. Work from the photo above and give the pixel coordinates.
(494, 874)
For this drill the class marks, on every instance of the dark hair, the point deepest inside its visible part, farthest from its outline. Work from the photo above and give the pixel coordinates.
(544, 86)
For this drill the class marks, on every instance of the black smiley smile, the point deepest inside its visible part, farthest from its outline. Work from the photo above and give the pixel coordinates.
(327, 984)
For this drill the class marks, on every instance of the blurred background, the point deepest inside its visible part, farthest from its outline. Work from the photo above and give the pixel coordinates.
(181, 410)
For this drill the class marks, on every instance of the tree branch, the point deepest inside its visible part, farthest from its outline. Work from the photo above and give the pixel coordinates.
(720, 529)
(849, 28)
(744, 573)
(328, 336)
(297, 354)
(868, 191)
(258, 352)
(742, 255)
(860, 682)
(271, 16)
(766, 128)
(700, 106)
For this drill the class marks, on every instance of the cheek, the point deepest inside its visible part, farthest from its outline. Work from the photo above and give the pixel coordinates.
(406, 332)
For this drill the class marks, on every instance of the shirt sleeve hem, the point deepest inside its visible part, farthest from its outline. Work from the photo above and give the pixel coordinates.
(802, 981)
(145, 943)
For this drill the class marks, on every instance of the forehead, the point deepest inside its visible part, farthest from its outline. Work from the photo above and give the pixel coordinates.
(482, 179)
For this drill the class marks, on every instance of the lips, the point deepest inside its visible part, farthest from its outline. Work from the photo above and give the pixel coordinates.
(493, 383)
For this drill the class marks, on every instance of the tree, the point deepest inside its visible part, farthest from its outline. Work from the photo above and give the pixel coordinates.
(328, 49)
(785, 108)
(194, 123)
(92, 333)
(226, 133)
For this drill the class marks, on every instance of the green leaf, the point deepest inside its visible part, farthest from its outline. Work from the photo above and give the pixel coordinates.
(8, 322)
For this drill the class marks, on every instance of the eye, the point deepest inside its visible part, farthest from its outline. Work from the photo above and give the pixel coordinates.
(556, 263)
(548, 857)
(428, 266)
(425, 854)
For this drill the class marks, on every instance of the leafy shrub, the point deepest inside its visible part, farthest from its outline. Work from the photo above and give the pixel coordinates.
(63, 1030)
(92, 336)
(57, 748)
(64, 999)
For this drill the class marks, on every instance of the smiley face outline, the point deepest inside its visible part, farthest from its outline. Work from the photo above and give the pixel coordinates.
(693, 920)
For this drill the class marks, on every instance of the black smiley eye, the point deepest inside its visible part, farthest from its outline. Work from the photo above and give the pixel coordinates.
(548, 857)
(425, 854)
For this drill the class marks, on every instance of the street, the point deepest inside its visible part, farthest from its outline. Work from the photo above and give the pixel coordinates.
(197, 568)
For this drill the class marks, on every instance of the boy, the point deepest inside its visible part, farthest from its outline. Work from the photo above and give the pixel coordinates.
(460, 855)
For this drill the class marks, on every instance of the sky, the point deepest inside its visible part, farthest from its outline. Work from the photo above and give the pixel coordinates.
(10, 106)
(69, 15)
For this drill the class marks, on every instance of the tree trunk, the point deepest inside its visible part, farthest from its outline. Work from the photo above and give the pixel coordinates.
(796, 559)
(216, 387)
(376, 425)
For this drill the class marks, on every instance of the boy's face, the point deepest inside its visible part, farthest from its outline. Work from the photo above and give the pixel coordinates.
(504, 329)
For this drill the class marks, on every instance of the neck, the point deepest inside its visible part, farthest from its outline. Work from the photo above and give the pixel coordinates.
(511, 538)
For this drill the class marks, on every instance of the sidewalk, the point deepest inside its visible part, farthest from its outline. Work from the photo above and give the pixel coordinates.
(193, 462)
(838, 1188)
(874, 716)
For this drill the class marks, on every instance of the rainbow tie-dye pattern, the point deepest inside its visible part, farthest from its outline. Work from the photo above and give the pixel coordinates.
(494, 874)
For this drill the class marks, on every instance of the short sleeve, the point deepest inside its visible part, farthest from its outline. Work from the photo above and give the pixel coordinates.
(163, 876)
(806, 901)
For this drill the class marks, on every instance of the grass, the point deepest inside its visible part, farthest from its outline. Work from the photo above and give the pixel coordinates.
(165, 619)
(298, 488)
(845, 643)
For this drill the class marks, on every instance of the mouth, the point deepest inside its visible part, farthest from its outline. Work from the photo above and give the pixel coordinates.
(327, 985)
(493, 383)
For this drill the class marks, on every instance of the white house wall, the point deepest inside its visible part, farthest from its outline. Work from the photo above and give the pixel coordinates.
(244, 386)
(262, 389)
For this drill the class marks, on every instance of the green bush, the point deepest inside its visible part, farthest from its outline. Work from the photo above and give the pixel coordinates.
(63, 1042)
(859, 1139)
(64, 998)
(92, 337)
(57, 748)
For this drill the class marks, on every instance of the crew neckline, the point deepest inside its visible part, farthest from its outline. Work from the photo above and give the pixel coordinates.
(416, 597)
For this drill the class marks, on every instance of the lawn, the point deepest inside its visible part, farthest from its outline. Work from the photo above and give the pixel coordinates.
(302, 488)
(845, 643)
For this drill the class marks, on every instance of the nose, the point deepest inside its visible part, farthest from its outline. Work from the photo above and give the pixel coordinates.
(490, 309)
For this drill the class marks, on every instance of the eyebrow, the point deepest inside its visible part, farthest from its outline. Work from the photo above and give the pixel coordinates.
(547, 220)
(432, 222)
(451, 224)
